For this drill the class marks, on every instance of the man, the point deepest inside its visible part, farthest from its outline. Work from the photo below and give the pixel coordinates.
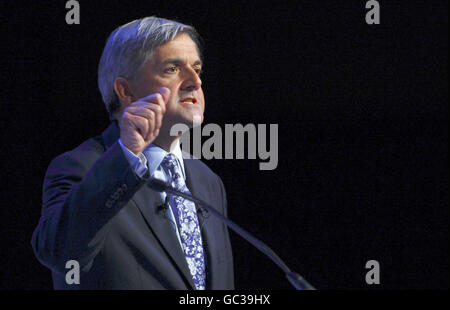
(97, 208)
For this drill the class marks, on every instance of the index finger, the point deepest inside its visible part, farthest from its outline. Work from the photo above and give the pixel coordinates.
(164, 92)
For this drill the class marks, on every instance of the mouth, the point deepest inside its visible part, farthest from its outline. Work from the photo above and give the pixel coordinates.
(189, 101)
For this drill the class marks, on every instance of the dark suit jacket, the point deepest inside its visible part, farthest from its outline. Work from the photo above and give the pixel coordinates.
(98, 212)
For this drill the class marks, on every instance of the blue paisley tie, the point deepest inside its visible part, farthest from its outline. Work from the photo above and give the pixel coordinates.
(187, 221)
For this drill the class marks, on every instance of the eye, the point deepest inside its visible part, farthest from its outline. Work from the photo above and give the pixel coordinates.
(198, 70)
(171, 69)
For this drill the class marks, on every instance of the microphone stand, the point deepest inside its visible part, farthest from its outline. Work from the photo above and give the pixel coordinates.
(294, 278)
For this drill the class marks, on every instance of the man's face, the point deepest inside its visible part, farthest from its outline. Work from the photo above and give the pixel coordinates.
(177, 66)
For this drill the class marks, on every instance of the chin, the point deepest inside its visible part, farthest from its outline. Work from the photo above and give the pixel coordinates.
(193, 120)
(189, 121)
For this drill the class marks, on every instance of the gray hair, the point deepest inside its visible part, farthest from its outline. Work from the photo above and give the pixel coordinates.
(129, 47)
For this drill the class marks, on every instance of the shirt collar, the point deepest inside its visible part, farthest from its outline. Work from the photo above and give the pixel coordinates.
(155, 156)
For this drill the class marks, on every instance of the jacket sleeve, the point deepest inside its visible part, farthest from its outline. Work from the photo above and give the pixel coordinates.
(83, 190)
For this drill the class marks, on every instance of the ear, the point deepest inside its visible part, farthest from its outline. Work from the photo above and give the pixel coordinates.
(122, 90)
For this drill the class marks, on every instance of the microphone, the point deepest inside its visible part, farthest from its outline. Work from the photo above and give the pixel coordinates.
(165, 206)
(203, 212)
(294, 278)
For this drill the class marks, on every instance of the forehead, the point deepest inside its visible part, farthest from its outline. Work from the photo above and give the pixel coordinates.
(182, 47)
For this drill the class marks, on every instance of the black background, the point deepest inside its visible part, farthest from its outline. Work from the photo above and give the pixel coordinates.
(363, 129)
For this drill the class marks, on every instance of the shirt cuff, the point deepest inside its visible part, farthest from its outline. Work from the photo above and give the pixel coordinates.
(138, 163)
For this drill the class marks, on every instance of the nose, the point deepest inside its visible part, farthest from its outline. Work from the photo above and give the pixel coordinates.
(191, 81)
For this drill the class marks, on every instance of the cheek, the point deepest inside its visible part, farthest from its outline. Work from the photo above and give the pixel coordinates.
(174, 90)
(172, 104)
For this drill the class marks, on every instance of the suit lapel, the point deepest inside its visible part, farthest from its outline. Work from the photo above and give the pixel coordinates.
(149, 204)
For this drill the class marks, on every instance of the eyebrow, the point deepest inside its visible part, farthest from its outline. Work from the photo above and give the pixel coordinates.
(179, 61)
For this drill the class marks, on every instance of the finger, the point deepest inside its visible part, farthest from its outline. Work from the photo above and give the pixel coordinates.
(144, 111)
(140, 123)
(161, 97)
(165, 93)
(157, 108)
(151, 124)
(149, 111)
(158, 120)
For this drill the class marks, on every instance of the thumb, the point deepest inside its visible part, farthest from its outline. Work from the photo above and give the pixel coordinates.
(165, 93)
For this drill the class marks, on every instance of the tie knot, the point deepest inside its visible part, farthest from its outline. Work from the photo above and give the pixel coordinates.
(171, 164)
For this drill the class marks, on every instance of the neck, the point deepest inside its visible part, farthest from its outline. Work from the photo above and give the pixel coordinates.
(166, 141)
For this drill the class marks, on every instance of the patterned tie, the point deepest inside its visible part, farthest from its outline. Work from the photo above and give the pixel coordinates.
(187, 221)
